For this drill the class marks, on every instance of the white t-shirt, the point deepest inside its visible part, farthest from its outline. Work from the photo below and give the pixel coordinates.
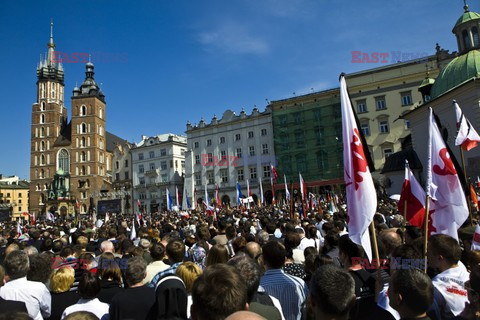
(449, 292)
(94, 306)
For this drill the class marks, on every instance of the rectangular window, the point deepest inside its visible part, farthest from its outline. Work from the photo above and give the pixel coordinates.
(141, 180)
(151, 154)
(117, 176)
(209, 142)
(239, 153)
(251, 150)
(406, 98)
(126, 175)
(384, 126)
(210, 177)
(407, 124)
(210, 158)
(299, 137)
(152, 166)
(197, 159)
(142, 196)
(140, 156)
(141, 169)
(163, 152)
(224, 175)
(222, 139)
(264, 148)
(387, 152)
(164, 177)
(196, 145)
(266, 171)
(250, 134)
(240, 175)
(198, 179)
(365, 129)
(380, 103)
(183, 165)
(238, 137)
(253, 172)
(362, 106)
(182, 152)
(163, 165)
(297, 117)
(126, 163)
(264, 132)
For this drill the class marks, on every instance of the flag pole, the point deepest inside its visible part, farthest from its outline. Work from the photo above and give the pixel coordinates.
(404, 218)
(375, 244)
(292, 209)
(425, 225)
(469, 199)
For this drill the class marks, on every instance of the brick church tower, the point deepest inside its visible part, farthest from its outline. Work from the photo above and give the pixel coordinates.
(70, 163)
(49, 117)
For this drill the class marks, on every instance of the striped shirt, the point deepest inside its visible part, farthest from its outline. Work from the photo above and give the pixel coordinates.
(171, 270)
(291, 291)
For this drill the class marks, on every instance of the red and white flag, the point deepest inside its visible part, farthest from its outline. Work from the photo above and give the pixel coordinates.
(361, 194)
(449, 204)
(217, 195)
(478, 181)
(274, 171)
(77, 204)
(467, 137)
(32, 217)
(273, 190)
(414, 196)
(139, 205)
(476, 239)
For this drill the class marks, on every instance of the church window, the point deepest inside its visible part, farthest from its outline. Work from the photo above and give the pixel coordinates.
(83, 128)
(83, 157)
(88, 170)
(83, 110)
(42, 146)
(43, 90)
(42, 118)
(466, 39)
(476, 40)
(63, 160)
(83, 142)
(42, 132)
(101, 113)
(82, 172)
(42, 106)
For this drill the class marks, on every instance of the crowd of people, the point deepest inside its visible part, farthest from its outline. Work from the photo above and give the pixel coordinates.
(260, 263)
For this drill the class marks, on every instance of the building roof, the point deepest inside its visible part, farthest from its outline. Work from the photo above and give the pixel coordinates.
(21, 184)
(467, 16)
(396, 161)
(65, 137)
(458, 71)
(112, 140)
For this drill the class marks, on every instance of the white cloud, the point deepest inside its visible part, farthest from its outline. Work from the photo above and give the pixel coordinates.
(232, 38)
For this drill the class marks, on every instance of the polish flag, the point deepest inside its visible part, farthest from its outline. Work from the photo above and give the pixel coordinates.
(77, 204)
(476, 239)
(274, 171)
(467, 137)
(443, 186)
(287, 193)
(139, 204)
(32, 222)
(217, 196)
(303, 187)
(414, 196)
(361, 194)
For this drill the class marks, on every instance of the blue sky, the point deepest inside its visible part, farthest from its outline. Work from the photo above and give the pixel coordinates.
(187, 59)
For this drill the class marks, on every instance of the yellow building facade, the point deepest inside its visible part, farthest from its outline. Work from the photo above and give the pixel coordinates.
(13, 198)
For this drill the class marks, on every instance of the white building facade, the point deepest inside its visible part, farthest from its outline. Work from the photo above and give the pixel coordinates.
(158, 163)
(230, 150)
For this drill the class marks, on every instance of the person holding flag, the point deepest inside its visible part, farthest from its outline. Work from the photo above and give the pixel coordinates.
(412, 200)
(361, 194)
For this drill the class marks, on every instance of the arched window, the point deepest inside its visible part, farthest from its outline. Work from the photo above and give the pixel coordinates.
(83, 157)
(83, 142)
(63, 160)
(42, 118)
(42, 160)
(476, 39)
(42, 106)
(45, 186)
(42, 132)
(83, 128)
(100, 113)
(83, 208)
(466, 39)
(43, 90)
(82, 173)
(37, 187)
(83, 110)
(42, 174)
(42, 146)
(87, 183)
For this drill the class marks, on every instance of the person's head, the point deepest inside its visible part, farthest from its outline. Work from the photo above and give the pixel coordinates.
(144, 244)
(176, 250)
(405, 253)
(157, 252)
(107, 246)
(443, 252)
(108, 268)
(81, 315)
(40, 268)
(473, 287)
(332, 293)
(16, 265)
(230, 232)
(348, 250)
(89, 286)
(57, 246)
(250, 271)
(391, 239)
(136, 270)
(10, 248)
(217, 254)
(62, 280)
(217, 293)
(274, 254)
(245, 315)
(189, 271)
(410, 292)
(30, 250)
(253, 250)
(82, 241)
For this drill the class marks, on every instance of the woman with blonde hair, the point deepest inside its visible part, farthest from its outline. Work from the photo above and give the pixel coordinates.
(217, 254)
(189, 272)
(61, 282)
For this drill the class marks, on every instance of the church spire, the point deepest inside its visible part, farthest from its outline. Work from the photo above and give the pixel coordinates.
(465, 6)
(51, 46)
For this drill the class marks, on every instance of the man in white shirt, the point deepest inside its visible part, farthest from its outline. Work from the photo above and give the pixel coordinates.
(450, 295)
(35, 294)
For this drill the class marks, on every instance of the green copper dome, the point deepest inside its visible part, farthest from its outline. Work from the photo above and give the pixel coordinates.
(456, 72)
(467, 16)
